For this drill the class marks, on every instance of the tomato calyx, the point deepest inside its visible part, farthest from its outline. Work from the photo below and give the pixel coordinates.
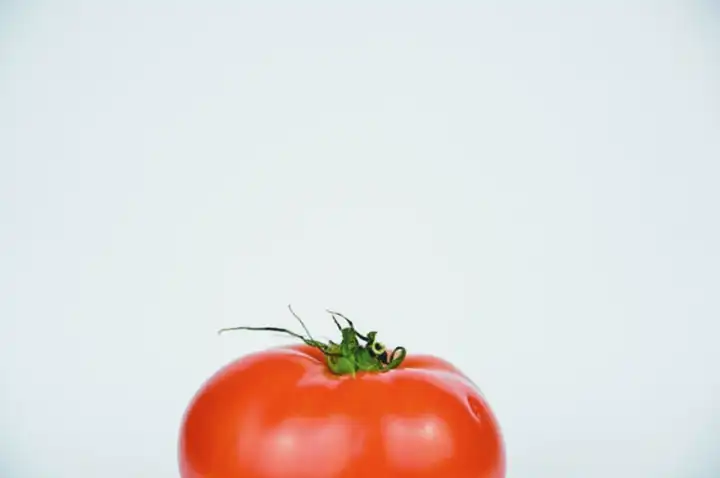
(355, 353)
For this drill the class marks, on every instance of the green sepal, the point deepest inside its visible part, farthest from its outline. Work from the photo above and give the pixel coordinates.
(350, 355)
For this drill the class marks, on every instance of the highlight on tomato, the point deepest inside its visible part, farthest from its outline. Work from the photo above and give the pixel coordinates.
(339, 410)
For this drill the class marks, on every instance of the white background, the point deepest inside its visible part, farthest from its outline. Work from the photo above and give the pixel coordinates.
(529, 189)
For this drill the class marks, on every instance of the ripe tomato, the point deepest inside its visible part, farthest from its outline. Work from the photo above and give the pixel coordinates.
(282, 413)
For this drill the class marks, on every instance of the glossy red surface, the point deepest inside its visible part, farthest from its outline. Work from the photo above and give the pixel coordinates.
(281, 414)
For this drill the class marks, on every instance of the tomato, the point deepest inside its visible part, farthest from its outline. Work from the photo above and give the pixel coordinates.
(283, 413)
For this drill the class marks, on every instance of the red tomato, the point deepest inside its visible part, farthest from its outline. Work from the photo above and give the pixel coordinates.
(281, 414)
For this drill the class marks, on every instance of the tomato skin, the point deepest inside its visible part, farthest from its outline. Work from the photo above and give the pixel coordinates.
(281, 414)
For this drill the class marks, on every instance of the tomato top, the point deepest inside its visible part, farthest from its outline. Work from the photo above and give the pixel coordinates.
(282, 414)
(339, 411)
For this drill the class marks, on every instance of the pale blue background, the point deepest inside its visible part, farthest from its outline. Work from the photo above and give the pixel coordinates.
(529, 189)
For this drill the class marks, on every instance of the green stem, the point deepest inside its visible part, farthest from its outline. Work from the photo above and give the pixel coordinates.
(350, 355)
